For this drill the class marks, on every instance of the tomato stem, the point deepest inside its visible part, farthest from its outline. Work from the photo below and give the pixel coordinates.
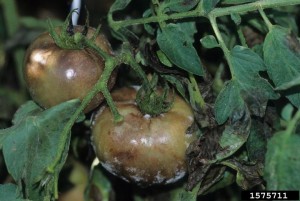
(216, 12)
(110, 65)
(222, 43)
(197, 97)
(148, 101)
(90, 43)
(265, 18)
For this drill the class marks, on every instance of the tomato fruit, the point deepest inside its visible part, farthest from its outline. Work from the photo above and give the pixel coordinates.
(54, 75)
(143, 149)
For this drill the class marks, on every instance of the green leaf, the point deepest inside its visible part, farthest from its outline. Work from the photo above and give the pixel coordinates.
(245, 87)
(163, 58)
(124, 34)
(176, 41)
(181, 194)
(228, 101)
(29, 108)
(177, 83)
(179, 5)
(282, 58)
(237, 1)
(283, 162)
(285, 17)
(287, 112)
(209, 41)
(32, 144)
(236, 18)
(10, 192)
(99, 183)
(293, 83)
(208, 5)
(147, 26)
(119, 5)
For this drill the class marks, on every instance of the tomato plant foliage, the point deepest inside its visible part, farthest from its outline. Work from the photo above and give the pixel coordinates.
(235, 62)
(37, 148)
(180, 49)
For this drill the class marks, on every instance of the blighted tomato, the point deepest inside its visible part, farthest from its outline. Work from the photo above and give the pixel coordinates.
(54, 75)
(143, 149)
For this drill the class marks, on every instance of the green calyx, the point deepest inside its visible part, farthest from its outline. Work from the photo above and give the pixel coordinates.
(153, 101)
(67, 38)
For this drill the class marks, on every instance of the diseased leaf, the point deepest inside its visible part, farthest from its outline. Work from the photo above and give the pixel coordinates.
(282, 58)
(201, 156)
(227, 179)
(209, 41)
(257, 142)
(10, 192)
(283, 162)
(232, 141)
(179, 5)
(212, 177)
(248, 175)
(32, 144)
(119, 5)
(176, 41)
(235, 134)
(246, 86)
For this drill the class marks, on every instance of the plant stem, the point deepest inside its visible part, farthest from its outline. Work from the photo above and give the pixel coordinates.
(198, 97)
(100, 86)
(265, 18)
(127, 58)
(159, 13)
(217, 12)
(242, 37)
(244, 8)
(223, 46)
(101, 52)
(12, 24)
(293, 124)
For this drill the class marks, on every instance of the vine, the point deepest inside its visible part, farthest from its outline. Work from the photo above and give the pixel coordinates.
(199, 12)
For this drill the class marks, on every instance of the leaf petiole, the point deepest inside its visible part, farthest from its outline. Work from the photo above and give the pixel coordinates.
(265, 18)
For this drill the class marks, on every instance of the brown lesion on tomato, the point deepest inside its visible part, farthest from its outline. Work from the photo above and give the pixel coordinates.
(55, 75)
(143, 149)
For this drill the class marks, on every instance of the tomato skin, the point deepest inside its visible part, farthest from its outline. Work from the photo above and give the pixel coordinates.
(54, 75)
(142, 149)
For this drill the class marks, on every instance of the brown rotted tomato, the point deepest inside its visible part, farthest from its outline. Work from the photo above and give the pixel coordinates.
(142, 149)
(54, 75)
